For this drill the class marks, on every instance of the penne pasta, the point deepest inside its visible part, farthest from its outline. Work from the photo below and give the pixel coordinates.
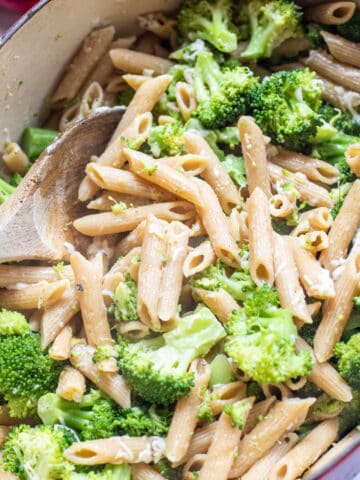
(72, 384)
(342, 49)
(220, 302)
(159, 24)
(258, 412)
(200, 442)
(15, 159)
(130, 61)
(198, 259)
(21, 276)
(314, 242)
(61, 348)
(331, 13)
(106, 201)
(141, 471)
(352, 156)
(185, 99)
(190, 164)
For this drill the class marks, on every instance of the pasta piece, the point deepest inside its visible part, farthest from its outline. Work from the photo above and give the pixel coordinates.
(342, 49)
(107, 223)
(177, 238)
(216, 226)
(339, 96)
(185, 99)
(36, 296)
(309, 192)
(105, 248)
(132, 240)
(190, 164)
(315, 279)
(164, 176)
(193, 466)
(159, 24)
(306, 452)
(150, 272)
(60, 349)
(88, 278)
(224, 394)
(234, 225)
(69, 116)
(214, 174)
(254, 152)
(15, 159)
(281, 418)
(200, 442)
(220, 302)
(93, 48)
(279, 390)
(314, 242)
(21, 276)
(260, 238)
(262, 468)
(287, 280)
(223, 447)
(112, 384)
(72, 385)
(315, 219)
(244, 226)
(141, 471)
(326, 377)
(199, 259)
(122, 181)
(325, 65)
(352, 156)
(106, 201)
(135, 81)
(280, 206)
(314, 169)
(297, 384)
(116, 450)
(133, 330)
(185, 417)
(332, 13)
(130, 61)
(314, 308)
(258, 412)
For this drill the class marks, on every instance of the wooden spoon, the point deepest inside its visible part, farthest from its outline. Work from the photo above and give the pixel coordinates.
(35, 222)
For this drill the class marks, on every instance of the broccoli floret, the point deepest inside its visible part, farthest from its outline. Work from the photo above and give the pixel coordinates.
(205, 411)
(286, 105)
(308, 331)
(208, 20)
(348, 356)
(239, 284)
(253, 389)
(13, 323)
(167, 471)
(138, 421)
(37, 453)
(351, 29)
(156, 369)
(237, 412)
(166, 140)
(5, 190)
(189, 52)
(167, 104)
(222, 92)
(109, 472)
(26, 372)
(125, 96)
(338, 195)
(236, 169)
(105, 352)
(313, 34)
(124, 306)
(261, 340)
(350, 416)
(325, 406)
(270, 23)
(343, 121)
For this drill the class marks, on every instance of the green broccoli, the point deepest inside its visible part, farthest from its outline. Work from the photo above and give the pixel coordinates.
(13, 323)
(348, 356)
(351, 29)
(105, 352)
(6, 189)
(261, 340)
(189, 52)
(237, 412)
(26, 372)
(209, 20)
(268, 24)
(156, 369)
(349, 418)
(124, 97)
(166, 140)
(285, 107)
(37, 453)
(325, 407)
(253, 389)
(313, 34)
(222, 93)
(124, 306)
(167, 471)
(236, 169)
(239, 284)
(220, 371)
(138, 421)
(343, 121)
(109, 472)
(338, 195)
(94, 417)
(205, 411)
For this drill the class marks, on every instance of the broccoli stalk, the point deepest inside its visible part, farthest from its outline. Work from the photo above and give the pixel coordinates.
(124, 306)
(13, 323)
(236, 169)
(208, 20)
(5, 190)
(222, 92)
(348, 356)
(261, 340)
(156, 369)
(270, 23)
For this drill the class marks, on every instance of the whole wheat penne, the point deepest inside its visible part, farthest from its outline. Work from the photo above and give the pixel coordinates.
(340, 96)
(21, 276)
(163, 175)
(112, 384)
(223, 447)
(258, 412)
(325, 65)
(93, 48)
(200, 442)
(281, 206)
(296, 384)
(278, 420)
(190, 164)
(342, 49)
(135, 81)
(177, 238)
(88, 279)
(199, 259)
(279, 390)
(314, 242)
(224, 394)
(260, 238)
(262, 467)
(106, 201)
(306, 452)
(331, 13)
(292, 46)
(107, 223)
(315, 219)
(326, 377)
(185, 417)
(310, 192)
(185, 99)
(134, 330)
(105, 247)
(130, 61)
(254, 152)
(142, 471)
(70, 116)
(15, 159)
(352, 156)
(315, 279)
(61, 348)
(116, 450)
(220, 302)
(314, 169)
(314, 308)
(234, 225)
(287, 280)
(72, 384)
(132, 240)
(193, 466)
(216, 226)
(215, 174)
(92, 99)
(34, 296)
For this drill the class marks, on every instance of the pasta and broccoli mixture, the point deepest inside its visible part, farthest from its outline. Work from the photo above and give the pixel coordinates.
(211, 331)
